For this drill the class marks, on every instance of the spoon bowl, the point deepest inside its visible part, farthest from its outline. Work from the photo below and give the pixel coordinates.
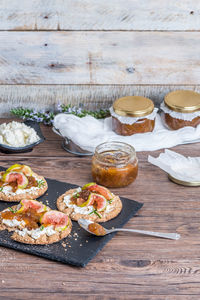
(173, 236)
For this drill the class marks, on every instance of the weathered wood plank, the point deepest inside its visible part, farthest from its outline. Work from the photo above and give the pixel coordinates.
(151, 281)
(99, 15)
(99, 58)
(47, 97)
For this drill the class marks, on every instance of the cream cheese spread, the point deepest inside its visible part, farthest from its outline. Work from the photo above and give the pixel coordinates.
(13, 223)
(36, 233)
(8, 190)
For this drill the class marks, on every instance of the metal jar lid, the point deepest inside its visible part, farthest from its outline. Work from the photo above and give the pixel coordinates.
(133, 106)
(183, 101)
(182, 182)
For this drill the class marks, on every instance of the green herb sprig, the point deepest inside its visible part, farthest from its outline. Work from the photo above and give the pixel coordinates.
(12, 210)
(80, 112)
(40, 183)
(110, 201)
(47, 117)
(77, 195)
(42, 227)
(96, 213)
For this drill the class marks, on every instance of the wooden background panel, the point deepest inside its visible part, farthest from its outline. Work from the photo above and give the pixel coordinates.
(99, 57)
(47, 97)
(99, 15)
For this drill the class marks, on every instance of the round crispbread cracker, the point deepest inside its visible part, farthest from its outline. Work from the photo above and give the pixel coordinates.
(106, 216)
(12, 197)
(44, 239)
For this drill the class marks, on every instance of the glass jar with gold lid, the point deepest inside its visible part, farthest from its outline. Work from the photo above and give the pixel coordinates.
(181, 108)
(114, 164)
(133, 114)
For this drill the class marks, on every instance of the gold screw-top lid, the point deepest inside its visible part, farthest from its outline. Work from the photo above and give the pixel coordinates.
(183, 101)
(133, 106)
(182, 182)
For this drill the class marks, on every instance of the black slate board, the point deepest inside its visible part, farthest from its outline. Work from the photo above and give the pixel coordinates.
(81, 247)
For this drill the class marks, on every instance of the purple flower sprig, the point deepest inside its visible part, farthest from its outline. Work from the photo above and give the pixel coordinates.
(80, 112)
(48, 116)
(33, 115)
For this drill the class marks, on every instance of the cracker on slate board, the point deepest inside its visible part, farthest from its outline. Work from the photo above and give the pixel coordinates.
(78, 248)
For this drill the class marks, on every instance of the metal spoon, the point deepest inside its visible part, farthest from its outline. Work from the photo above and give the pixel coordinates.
(173, 236)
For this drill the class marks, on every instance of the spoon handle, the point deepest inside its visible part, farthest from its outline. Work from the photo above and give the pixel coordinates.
(172, 236)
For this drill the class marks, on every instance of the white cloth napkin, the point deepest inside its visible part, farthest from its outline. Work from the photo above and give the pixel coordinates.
(88, 132)
(177, 165)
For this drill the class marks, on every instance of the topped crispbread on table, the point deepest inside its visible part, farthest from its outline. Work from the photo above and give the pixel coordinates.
(20, 182)
(92, 202)
(32, 222)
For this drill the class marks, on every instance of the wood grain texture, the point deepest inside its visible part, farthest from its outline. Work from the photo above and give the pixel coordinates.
(99, 15)
(45, 97)
(99, 58)
(129, 266)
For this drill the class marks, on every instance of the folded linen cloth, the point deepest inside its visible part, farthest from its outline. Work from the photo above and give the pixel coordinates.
(88, 132)
(178, 166)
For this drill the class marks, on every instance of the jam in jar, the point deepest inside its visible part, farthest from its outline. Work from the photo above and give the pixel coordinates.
(114, 164)
(181, 108)
(133, 114)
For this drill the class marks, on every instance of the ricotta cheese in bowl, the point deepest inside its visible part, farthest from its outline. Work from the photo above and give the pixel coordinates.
(17, 137)
(17, 134)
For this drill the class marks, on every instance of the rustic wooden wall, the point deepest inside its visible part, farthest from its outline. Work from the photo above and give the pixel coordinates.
(94, 51)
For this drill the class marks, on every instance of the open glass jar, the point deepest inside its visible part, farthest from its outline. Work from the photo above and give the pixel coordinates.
(181, 108)
(133, 114)
(114, 164)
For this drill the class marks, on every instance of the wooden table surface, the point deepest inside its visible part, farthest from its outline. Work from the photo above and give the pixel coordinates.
(130, 266)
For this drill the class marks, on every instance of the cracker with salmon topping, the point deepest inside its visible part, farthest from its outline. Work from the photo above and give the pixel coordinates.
(20, 182)
(35, 223)
(92, 202)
